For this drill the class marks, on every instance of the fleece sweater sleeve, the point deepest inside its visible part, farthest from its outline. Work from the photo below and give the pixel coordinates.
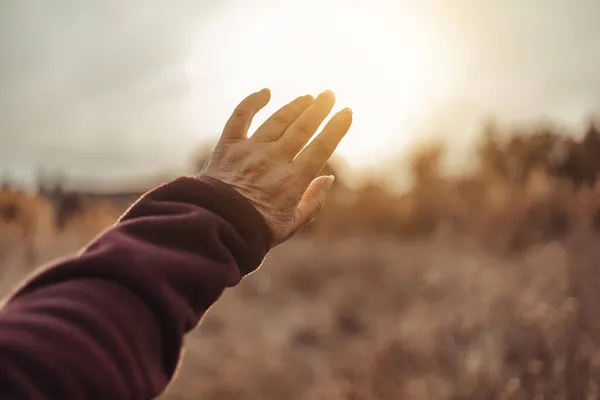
(109, 322)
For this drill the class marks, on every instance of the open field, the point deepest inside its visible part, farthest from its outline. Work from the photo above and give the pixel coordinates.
(378, 318)
(481, 286)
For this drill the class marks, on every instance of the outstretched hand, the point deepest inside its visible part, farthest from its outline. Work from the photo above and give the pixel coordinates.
(273, 169)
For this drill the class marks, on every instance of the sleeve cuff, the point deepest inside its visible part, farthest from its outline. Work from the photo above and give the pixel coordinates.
(224, 201)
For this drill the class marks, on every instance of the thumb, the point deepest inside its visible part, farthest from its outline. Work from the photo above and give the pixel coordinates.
(313, 200)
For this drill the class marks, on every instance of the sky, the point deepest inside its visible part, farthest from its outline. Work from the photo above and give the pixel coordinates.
(115, 89)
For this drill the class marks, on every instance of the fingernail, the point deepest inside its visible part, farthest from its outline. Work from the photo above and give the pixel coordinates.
(327, 93)
(265, 91)
(329, 182)
(347, 113)
(308, 97)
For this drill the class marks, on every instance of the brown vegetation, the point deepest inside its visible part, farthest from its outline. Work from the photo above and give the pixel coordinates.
(480, 286)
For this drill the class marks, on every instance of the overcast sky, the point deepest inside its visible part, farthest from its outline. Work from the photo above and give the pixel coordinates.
(97, 88)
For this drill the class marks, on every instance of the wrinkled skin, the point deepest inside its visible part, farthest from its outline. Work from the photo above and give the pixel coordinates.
(272, 168)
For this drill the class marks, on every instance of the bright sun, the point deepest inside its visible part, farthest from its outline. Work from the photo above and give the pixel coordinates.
(382, 61)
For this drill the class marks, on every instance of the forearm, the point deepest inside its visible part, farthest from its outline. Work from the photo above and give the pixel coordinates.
(82, 339)
(111, 320)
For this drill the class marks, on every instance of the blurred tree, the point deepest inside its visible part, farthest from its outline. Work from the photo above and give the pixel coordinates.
(490, 151)
(521, 152)
(425, 163)
(6, 182)
(581, 163)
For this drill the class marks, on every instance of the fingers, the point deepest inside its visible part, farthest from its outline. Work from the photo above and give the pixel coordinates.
(239, 122)
(277, 123)
(312, 201)
(314, 157)
(304, 127)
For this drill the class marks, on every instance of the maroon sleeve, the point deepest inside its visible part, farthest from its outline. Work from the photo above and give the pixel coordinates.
(109, 323)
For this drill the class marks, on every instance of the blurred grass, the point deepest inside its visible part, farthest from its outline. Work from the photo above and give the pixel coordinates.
(483, 285)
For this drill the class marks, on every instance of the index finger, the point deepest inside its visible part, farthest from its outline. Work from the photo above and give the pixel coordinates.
(239, 122)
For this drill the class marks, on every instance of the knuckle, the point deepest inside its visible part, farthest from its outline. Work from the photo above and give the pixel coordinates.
(304, 129)
(322, 147)
(296, 108)
(282, 119)
(241, 112)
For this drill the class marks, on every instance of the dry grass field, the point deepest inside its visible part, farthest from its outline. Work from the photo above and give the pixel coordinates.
(378, 318)
(381, 319)
(486, 286)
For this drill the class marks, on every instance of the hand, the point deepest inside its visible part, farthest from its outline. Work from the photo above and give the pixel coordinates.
(273, 169)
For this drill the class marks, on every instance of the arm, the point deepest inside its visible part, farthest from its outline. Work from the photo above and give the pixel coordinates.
(109, 323)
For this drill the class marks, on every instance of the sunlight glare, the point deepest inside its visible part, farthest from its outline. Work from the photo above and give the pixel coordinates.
(383, 63)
